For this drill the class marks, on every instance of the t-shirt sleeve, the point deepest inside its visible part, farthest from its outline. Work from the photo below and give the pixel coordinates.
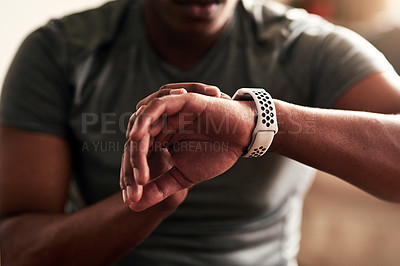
(344, 58)
(36, 94)
(325, 60)
(341, 59)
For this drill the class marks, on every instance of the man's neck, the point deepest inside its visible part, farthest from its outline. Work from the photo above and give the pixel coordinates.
(182, 51)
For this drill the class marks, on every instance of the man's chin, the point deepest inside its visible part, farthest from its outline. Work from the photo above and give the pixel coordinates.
(199, 10)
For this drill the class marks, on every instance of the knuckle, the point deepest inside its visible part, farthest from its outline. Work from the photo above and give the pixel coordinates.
(132, 118)
(126, 147)
(165, 88)
(155, 102)
(140, 110)
(140, 104)
(191, 96)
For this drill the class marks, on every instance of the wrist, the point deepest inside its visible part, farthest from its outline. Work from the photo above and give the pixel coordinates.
(293, 123)
(280, 115)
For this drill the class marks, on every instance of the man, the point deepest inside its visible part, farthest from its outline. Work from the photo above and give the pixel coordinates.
(74, 81)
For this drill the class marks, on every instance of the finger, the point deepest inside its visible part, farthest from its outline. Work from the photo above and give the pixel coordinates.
(161, 188)
(122, 184)
(177, 91)
(130, 124)
(160, 162)
(225, 96)
(167, 106)
(212, 91)
(138, 159)
(157, 126)
(195, 87)
(131, 191)
(133, 118)
(158, 94)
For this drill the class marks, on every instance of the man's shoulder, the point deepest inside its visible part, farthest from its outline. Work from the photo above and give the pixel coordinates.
(275, 20)
(94, 27)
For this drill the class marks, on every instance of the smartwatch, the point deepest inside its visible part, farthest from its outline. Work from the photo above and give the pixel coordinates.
(266, 125)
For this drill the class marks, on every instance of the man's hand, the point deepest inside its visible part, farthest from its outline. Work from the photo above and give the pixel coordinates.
(203, 135)
(181, 88)
(177, 89)
(160, 160)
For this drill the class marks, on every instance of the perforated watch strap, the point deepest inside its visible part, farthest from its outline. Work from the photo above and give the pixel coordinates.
(266, 125)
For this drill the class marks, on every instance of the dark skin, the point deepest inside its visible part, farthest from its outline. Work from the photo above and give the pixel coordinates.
(183, 172)
(362, 148)
(182, 39)
(33, 191)
(35, 231)
(32, 197)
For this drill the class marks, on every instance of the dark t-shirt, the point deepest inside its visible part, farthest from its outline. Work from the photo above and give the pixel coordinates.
(80, 77)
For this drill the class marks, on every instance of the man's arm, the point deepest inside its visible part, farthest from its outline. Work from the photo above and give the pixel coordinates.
(34, 180)
(362, 148)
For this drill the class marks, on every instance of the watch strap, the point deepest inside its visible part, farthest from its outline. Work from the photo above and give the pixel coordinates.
(266, 125)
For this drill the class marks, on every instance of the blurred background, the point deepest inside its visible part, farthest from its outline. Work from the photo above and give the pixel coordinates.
(376, 20)
(19, 17)
(341, 225)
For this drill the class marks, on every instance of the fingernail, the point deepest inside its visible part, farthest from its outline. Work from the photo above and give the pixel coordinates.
(212, 90)
(129, 192)
(136, 175)
(124, 196)
(177, 91)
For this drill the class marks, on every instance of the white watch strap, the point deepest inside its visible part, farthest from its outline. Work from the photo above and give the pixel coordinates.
(266, 125)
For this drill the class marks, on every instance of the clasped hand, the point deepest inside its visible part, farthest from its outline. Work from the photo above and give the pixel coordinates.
(178, 139)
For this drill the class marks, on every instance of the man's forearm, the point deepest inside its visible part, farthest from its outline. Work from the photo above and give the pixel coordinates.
(361, 148)
(97, 235)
